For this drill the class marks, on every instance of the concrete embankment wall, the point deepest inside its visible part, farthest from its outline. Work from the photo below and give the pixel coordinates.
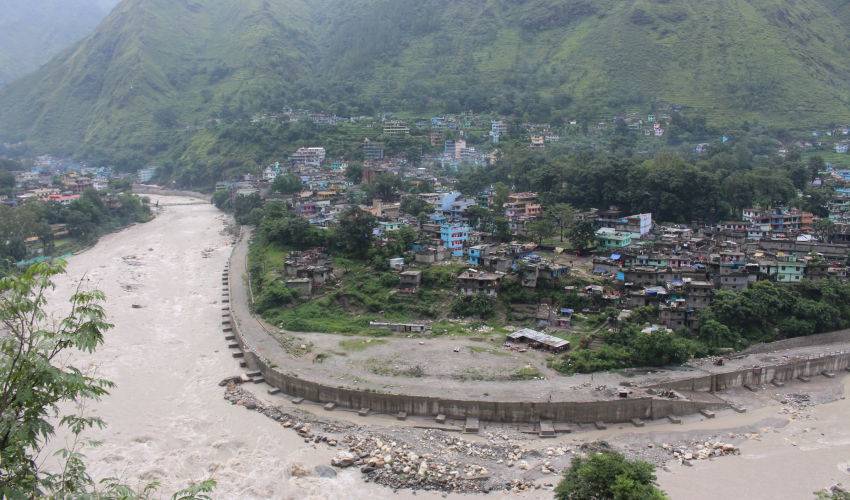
(614, 411)
(807, 341)
(611, 411)
(142, 190)
(762, 375)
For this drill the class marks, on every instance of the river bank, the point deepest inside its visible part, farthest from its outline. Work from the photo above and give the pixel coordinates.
(170, 422)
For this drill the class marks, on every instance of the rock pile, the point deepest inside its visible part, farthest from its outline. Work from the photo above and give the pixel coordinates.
(398, 465)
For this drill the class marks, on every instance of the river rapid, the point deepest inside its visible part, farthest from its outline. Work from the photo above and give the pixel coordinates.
(168, 420)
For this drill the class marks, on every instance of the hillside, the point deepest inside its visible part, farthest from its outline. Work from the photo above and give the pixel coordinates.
(186, 62)
(32, 31)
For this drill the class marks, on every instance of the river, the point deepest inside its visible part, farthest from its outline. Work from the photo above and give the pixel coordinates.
(168, 421)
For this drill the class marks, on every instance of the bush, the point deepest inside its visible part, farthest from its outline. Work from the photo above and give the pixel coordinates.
(478, 304)
(608, 476)
(274, 297)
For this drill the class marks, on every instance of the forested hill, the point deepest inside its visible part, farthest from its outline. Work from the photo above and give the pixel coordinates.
(730, 60)
(32, 31)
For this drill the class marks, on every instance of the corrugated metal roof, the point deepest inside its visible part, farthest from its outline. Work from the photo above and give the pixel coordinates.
(539, 337)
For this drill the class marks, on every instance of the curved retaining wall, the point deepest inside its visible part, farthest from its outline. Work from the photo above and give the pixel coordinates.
(614, 411)
(807, 341)
(810, 367)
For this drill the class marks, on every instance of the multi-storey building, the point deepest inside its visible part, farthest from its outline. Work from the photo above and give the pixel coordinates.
(308, 156)
(522, 205)
(472, 282)
(373, 149)
(779, 219)
(452, 236)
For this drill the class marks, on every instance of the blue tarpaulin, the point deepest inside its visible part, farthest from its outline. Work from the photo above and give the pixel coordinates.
(615, 256)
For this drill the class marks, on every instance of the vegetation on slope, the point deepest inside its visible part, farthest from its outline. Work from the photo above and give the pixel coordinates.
(158, 65)
(32, 31)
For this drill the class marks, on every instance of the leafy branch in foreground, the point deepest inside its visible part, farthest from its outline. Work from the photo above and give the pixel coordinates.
(36, 380)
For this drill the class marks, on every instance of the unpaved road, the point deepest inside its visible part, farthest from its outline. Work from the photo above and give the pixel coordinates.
(169, 423)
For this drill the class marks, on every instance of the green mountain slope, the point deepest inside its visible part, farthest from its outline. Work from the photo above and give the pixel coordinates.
(32, 31)
(153, 54)
(730, 60)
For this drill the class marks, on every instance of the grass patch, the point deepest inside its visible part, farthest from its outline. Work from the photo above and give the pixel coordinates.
(360, 344)
(526, 373)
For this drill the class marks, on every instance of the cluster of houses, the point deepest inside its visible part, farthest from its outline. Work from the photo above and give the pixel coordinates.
(45, 182)
(677, 271)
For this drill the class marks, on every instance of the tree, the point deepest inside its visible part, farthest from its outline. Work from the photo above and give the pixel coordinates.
(355, 229)
(244, 204)
(564, 214)
(582, 235)
(500, 197)
(423, 218)
(823, 228)
(609, 476)
(354, 172)
(502, 228)
(286, 184)
(220, 198)
(166, 117)
(542, 229)
(37, 385)
(412, 205)
(45, 234)
(816, 165)
(7, 179)
(477, 215)
(384, 186)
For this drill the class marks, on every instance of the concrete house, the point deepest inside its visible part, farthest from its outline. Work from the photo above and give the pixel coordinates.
(472, 281)
(410, 280)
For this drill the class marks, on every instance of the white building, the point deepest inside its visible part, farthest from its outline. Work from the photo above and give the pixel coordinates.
(308, 156)
(145, 174)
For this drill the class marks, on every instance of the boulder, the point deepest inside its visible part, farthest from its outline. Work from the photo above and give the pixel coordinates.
(299, 470)
(343, 459)
(325, 471)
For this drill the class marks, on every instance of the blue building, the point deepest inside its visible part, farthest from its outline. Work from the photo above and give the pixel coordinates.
(452, 237)
(476, 253)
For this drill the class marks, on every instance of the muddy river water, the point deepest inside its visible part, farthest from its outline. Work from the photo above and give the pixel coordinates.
(168, 421)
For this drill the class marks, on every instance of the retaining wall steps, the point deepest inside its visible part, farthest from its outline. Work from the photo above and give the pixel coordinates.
(547, 429)
(739, 408)
(471, 426)
(330, 406)
(297, 401)
(273, 391)
(675, 419)
(239, 354)
(804, 379)
(778, 383)
(828, 374)
(364, 412)
(402, 415)
(601, 425)
(637, 422)
(707, 413)
(230, 337)
(441, 419)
